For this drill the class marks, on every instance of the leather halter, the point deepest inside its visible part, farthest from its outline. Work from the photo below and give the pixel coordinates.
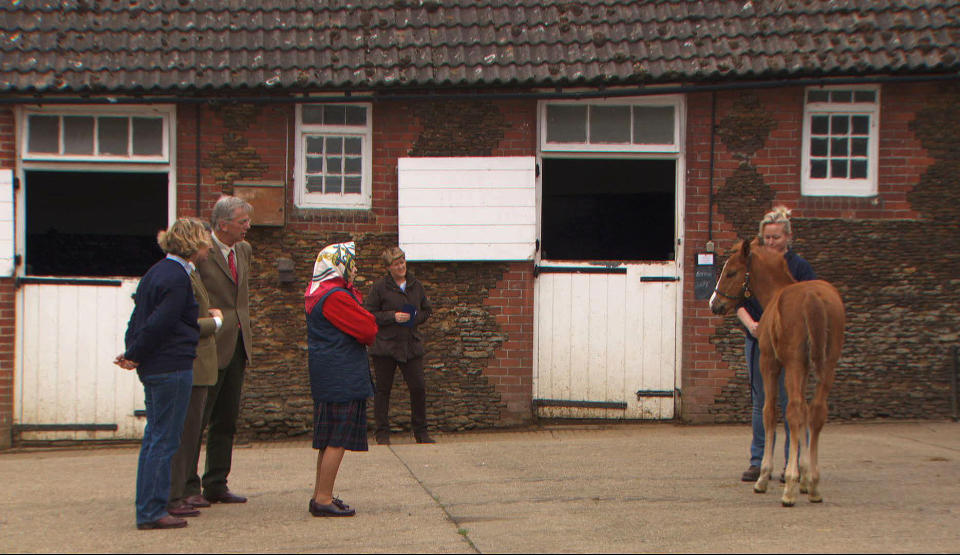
(745, 293)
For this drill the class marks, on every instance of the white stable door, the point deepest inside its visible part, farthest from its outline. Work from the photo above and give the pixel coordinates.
(67, 384)
(606, 341)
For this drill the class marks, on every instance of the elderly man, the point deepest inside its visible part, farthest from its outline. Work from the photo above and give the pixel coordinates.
(225, 273)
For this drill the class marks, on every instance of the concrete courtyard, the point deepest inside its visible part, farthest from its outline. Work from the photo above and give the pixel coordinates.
(652, 487)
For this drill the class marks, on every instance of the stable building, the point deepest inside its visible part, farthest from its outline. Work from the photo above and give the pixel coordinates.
(564, 177)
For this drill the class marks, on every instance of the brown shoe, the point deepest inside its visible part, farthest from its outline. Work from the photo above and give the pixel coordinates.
(383, 438)
(751, 474)
(197, 501)
(183, 510)
(164, 523)
(226, 497)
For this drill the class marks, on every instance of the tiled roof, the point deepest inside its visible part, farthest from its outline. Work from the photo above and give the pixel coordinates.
(184, 45)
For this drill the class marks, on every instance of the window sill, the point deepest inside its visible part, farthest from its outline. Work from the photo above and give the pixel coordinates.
(808, 202)
(332, 215)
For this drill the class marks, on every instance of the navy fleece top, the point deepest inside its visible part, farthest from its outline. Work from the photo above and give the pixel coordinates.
(163, 332)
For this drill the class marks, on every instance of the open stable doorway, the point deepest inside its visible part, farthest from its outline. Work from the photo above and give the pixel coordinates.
(93, 224)
(603, 209)
(608, 270)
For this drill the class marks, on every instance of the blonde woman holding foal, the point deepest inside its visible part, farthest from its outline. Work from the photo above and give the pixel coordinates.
(777, 235)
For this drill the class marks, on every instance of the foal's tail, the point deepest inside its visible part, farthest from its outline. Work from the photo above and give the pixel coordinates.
(816, 321)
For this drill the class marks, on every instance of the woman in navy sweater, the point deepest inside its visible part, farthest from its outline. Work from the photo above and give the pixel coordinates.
(161, 343)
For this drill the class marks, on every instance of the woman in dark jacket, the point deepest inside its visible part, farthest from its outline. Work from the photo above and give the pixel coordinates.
(161, 343)
(338, 331)
(400, 305)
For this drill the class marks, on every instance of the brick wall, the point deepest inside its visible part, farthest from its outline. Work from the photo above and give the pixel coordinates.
(480, 338)
(7, 298)
(891, 256)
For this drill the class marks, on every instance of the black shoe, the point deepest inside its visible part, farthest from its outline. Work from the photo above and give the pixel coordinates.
(424, 438)
(751, 474)
(383, 438)
(333, 509)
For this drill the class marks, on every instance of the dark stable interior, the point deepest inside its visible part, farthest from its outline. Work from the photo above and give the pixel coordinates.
(93, 224)
(608, 209)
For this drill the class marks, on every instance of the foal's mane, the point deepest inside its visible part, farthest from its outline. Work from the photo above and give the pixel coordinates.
(769, 259)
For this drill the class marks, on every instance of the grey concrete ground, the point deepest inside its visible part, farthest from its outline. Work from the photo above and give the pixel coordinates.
(888, 487)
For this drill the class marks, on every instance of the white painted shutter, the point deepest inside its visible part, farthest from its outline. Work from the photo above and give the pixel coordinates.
(467, 208)
(6, 223)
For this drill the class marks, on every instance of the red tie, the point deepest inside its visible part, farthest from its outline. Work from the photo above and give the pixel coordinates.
(233, 266)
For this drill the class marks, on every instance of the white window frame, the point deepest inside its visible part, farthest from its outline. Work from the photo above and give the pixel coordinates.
(165, 112)
(308, 199)
(847, 187)
(664, 101)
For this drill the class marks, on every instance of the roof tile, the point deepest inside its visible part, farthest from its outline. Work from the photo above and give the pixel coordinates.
(169, 45)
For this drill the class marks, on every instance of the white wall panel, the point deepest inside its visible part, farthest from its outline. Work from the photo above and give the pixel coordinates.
(480, 208)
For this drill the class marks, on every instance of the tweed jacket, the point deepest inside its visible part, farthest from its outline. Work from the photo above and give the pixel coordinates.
(205, 366)
(233, 298)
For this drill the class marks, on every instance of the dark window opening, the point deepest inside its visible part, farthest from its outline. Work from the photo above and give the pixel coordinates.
(608, 209)
(94, 224)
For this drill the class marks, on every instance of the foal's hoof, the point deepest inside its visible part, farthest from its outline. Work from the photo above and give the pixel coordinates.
(816, 499)
(786, 503)
(759, 489)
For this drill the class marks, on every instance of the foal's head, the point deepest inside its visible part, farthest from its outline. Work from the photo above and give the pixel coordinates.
(734, 285)
(751, 269)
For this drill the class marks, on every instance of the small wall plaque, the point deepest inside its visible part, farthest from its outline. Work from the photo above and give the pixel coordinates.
(267, 199)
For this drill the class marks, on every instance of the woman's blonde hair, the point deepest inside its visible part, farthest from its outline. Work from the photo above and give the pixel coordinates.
(391, 255)
(779, 215)
(184, 238)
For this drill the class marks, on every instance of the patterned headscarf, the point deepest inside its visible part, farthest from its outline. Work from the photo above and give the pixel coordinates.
(335, 262)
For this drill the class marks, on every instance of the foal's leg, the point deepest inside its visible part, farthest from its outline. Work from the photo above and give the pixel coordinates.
(805, 455)
(797, 420)
(818, 417)
(770, 370)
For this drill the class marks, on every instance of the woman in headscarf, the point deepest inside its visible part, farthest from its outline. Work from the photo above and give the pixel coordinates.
(338, 331)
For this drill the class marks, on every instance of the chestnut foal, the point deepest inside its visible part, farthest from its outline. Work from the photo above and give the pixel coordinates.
(801, 331)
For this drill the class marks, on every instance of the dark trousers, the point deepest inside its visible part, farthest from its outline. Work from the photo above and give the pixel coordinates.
(165, 397)
(384, 368)
(189, 451)
(220, 420)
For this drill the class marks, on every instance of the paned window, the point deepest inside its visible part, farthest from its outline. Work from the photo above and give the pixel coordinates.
(93, 135)
(840, 136)
(334, 156)
(628, 125)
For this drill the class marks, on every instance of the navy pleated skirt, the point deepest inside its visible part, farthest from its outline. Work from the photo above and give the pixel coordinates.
(340, 425)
